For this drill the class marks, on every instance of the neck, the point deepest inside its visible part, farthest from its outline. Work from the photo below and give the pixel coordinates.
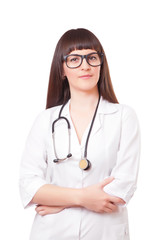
(84, 100)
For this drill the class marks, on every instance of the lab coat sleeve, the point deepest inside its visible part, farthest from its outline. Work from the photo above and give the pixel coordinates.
(33, 164)
(125, 171)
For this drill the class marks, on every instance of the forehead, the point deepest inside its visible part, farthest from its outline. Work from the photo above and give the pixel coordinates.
(83, 51)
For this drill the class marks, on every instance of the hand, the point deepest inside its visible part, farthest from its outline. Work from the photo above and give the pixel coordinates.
(44, 210)
(95, 199)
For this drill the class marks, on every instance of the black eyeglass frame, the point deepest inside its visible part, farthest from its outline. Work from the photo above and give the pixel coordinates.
(82, 57)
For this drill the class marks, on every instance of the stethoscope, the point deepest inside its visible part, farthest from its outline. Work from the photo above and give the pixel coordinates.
(84, 163)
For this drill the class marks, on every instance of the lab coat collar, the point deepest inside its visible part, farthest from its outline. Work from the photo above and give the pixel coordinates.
(105, 107)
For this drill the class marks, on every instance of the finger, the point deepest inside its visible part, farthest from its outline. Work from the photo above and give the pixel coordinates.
(116, 200)
(39, 209)
(108, 210)
(36, 209)
(112, 207)
(42, 213)
(106, 181)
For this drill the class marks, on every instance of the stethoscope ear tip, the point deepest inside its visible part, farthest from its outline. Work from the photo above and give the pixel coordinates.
(59, 160)
(69, 155)
(55, 160)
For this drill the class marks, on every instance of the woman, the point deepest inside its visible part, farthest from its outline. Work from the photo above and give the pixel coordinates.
(80, 162)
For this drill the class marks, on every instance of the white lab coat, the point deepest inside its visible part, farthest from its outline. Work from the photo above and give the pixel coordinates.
(113, 150)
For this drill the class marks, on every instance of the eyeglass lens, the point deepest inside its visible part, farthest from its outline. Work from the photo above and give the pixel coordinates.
(74, 61)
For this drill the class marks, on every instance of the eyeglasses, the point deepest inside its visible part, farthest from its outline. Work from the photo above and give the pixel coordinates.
(94, 59)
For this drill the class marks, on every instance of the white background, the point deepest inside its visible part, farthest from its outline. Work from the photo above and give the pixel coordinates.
(128, 31)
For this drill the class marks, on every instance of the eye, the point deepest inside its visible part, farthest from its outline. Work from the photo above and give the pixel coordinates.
(74, 59)
(92, 58)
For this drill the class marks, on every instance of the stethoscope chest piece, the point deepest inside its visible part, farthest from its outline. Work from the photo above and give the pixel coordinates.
(84, 164)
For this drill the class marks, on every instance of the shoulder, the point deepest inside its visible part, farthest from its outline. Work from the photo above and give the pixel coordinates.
(117, 108)
(48, 113)
(126, 110)
(45, 117)
(128, 116)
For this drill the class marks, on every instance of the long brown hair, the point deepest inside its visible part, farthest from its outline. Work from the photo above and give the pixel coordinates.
(58, 87)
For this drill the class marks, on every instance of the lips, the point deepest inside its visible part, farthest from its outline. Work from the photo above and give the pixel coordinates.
(86, 76)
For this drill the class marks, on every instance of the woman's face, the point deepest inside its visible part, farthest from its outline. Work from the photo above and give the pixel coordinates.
(83, 78)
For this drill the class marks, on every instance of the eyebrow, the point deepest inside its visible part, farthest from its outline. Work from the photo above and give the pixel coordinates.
(76, 54)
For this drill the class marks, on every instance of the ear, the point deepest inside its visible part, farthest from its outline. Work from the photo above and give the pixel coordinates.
(64, 78)
(63, 75)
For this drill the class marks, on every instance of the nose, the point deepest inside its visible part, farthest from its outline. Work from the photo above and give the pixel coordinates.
(85, 65)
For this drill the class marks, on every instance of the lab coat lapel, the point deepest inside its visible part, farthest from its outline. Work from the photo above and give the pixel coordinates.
(96, 125)
(104, 108)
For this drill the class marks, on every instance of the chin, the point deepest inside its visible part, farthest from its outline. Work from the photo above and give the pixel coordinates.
(88, 88)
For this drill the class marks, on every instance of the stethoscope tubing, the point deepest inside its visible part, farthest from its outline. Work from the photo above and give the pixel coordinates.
(84, 160)
(69, 137)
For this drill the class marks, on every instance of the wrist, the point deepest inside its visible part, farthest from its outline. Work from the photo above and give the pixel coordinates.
(79, 198)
